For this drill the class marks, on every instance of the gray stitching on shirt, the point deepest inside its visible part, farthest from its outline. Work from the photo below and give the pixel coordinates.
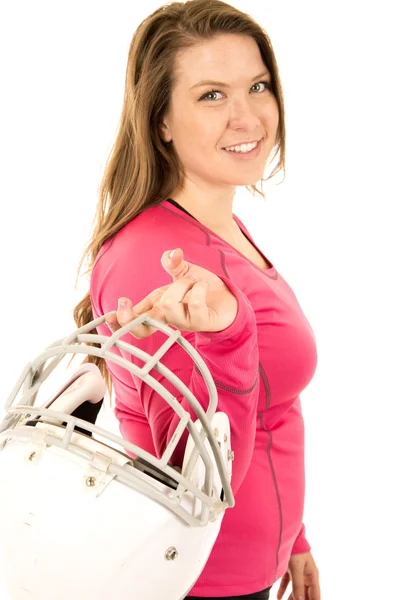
(261, 423)
(184, 218)
(208, 241)
(208, 238)
(223, 264)
(266, 387)
(233, 390)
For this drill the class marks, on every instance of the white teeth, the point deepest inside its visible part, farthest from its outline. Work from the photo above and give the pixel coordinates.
(242, 147)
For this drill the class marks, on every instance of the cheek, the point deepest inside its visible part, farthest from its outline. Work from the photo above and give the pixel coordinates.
(200, 137)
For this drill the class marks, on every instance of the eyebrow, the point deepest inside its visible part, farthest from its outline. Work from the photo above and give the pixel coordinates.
(222, 84)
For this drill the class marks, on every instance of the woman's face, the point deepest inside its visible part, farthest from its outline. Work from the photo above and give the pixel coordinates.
(201, 124)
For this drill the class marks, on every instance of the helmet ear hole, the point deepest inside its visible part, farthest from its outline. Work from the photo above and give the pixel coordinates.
(87, 411)
(81, 396)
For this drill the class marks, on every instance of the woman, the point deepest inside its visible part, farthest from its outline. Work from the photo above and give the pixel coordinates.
(203, 110)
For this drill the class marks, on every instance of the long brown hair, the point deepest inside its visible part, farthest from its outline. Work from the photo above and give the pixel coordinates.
(142, 169)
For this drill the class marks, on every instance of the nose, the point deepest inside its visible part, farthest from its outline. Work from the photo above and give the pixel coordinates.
(244, 115)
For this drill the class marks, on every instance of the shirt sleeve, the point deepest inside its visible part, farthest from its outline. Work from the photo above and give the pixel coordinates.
(231, 356)
(301, 545)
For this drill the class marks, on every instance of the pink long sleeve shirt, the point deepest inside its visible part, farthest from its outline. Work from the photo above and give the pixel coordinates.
(260, 365)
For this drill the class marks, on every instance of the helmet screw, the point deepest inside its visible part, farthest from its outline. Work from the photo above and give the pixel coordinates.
(225, 437)
(171, 553)
(231, 455)
(32, 456)
(91, 481)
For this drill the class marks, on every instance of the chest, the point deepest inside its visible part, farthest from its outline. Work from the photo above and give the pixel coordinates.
(245, 247)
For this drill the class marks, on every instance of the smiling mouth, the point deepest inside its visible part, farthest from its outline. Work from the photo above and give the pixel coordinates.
(243, 143)
(235, 151)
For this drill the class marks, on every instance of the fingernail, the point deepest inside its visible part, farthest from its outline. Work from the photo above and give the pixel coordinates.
(122, 304)
(171, 254)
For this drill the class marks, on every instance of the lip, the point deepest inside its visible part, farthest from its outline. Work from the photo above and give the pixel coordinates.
(239, 144)
(246, 155)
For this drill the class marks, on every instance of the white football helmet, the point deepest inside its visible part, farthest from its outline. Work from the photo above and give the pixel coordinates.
(79, 518)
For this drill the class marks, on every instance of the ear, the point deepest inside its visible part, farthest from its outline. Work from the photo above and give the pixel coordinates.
(164, 131)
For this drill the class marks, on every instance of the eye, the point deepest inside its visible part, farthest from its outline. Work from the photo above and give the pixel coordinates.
(204, 96)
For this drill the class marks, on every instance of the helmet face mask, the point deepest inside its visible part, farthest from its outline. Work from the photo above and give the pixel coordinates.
(83, 500)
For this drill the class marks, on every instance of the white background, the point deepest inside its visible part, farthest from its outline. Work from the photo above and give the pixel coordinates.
(331, 229)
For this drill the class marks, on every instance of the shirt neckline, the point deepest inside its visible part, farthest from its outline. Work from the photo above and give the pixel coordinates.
(270, 271)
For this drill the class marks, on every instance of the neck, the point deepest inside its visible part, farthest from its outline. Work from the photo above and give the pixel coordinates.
(213, 212)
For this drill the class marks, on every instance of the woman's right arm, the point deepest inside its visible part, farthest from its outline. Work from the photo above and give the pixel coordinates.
(231, 355)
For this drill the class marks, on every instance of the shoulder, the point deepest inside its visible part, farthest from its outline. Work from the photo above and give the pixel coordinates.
(129, 263)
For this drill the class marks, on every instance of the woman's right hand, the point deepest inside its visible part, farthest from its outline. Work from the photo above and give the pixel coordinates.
(196, 300)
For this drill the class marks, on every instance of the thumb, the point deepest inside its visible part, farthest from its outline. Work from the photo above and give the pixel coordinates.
(174, 263)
